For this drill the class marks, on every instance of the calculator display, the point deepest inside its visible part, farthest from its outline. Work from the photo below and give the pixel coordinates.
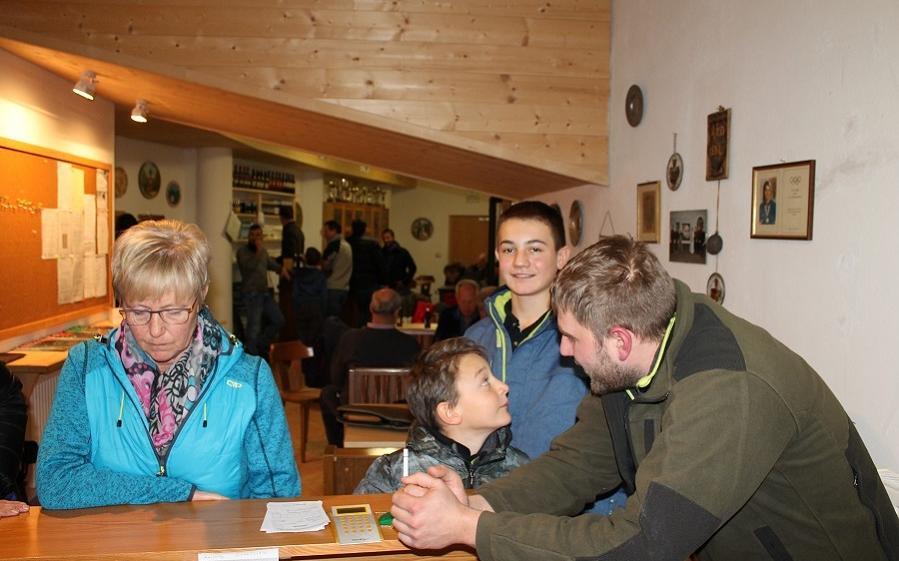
(350, 509)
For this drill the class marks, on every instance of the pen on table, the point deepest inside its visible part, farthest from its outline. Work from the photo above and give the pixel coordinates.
(405, 462)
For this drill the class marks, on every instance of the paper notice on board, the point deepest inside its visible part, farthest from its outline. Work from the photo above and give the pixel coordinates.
(65, 219)
(78, 278)
(65, 270)
(94, 276)
(49, 233)
(89, 225)
(102, 189)
(102, 232)
(77, 189)
(63, 186)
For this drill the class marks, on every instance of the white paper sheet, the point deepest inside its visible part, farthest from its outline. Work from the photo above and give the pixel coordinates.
(297, 516)
(94, 276)
(66, 235)
(65, 269)
(102, 232)
(270, 554)
(89, 225)
(63, 186)
(102, 190)
(49, 233)
(77, 189)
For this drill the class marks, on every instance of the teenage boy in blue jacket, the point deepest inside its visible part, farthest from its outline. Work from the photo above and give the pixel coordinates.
(521, 336)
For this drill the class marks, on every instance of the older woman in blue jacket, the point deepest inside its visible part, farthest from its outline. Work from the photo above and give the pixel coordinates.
(167, 407)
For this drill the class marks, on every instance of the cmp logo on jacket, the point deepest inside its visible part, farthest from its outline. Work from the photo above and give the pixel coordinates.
(233, 384)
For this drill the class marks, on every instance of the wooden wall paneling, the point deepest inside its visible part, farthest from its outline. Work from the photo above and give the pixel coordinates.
(577, 150)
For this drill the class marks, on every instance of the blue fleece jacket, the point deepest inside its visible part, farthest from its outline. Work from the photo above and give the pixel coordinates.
(96, 448)
(543, 394)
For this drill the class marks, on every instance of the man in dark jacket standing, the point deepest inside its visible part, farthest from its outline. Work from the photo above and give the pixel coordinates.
(13, 416)
(731, 445)
(400, 265)
(369, 270)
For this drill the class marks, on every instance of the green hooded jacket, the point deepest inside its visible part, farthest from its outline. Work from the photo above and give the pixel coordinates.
(736, 450)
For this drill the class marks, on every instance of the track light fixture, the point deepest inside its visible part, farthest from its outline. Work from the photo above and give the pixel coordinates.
(86, 85)
(140, 112)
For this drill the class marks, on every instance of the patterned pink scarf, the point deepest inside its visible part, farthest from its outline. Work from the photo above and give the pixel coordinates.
(168, 397)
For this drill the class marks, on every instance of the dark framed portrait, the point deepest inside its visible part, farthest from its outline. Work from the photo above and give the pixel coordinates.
(422, 229)
(149, 180)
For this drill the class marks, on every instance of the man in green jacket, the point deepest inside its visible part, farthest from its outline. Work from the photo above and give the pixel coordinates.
(732, 446)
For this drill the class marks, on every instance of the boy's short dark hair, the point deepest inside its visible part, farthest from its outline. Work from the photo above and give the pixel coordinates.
(434, 378)
(313, 257)
(541, 212)
(332, 225)
(285, 212)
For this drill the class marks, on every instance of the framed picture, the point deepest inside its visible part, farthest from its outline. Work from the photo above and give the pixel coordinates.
(675, 171)
(422, 228)
(649, 211)
(783, 197)
(148, 180)
(687, 242)
(716, 149)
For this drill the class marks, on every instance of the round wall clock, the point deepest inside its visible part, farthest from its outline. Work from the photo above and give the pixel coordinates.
(633, 105)
(173, 193)
(121, 182)
(575, 223)
(148, 180)
(422, 229)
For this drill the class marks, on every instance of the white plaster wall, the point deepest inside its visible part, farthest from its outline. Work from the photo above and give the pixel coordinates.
(805, 80)
(436, 203)
(174, 163)
(39, 108)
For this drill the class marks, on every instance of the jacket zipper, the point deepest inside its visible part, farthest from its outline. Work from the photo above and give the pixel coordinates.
(162, 461)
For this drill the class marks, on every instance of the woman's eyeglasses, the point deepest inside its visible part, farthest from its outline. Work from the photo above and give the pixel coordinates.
(171, 316)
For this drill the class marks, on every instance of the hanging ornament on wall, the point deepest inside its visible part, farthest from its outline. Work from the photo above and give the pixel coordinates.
(633, 105)
(715, 243)
(675, 171)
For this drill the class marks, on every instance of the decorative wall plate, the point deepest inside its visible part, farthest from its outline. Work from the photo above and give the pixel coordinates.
(675, 171)
(575, 223)
(173, 193)
(422, 229)
(714, 287)
(148, 180)
(633, 105)
(121, 182)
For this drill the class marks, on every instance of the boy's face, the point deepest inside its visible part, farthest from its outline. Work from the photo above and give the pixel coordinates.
(483, 399)
(527, 256)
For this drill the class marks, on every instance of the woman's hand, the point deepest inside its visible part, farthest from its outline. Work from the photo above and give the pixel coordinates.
(207, 496)
(12, 508)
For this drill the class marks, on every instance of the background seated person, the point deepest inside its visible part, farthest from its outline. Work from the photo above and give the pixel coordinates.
(453, 321)
(462, 420)
(167, 407)
(378, 344)
(13, 416)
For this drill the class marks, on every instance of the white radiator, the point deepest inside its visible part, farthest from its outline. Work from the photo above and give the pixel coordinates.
(39, 405)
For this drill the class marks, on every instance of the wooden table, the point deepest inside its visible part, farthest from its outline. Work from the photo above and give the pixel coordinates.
(179, 531)
(424, 335)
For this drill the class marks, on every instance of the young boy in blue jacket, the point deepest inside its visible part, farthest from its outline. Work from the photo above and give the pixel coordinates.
(520, 333)
(462, 420)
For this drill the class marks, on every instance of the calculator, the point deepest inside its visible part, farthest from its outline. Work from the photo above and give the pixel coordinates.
(355, 524)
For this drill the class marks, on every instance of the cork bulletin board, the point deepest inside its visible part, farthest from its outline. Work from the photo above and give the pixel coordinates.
(28, 282)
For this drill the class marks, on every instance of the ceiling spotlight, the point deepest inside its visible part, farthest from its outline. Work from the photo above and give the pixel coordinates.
(86, 85)
(140, 112)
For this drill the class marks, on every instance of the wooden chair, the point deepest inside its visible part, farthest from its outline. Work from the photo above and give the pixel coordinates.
(286, 357)
(377, 385)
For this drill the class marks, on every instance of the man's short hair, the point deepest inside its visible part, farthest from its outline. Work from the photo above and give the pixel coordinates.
(388, 231)
(469, 283)
(385, 302)
(434, 378)
(332, 225)
(254, 226)
(286, 212)
(616, 282)
(358, 226)
(541, 212)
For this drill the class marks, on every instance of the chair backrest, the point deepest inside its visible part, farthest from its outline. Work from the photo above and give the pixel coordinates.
(286, 357)
(377, 385)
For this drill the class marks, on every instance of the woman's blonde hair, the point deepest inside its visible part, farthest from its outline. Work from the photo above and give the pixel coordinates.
(158, 257)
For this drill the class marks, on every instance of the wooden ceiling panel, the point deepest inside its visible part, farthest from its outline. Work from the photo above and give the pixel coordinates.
(513, 85)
